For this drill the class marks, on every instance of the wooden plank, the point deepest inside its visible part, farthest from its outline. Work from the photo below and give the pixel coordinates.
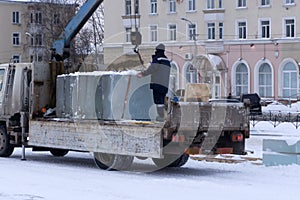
(90, 135)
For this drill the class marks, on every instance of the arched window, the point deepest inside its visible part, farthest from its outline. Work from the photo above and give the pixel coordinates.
(241, 78)
(190, 74)
(289, 81)
(265, 80)
(174, 82)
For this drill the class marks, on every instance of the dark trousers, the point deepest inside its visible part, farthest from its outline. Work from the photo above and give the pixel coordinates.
(158, 97)
(159, 100)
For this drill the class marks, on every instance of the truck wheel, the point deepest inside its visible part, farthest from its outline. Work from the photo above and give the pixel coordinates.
(59, 152)
(6, 149)
(171, 161)
(182, 160)
(112, 161)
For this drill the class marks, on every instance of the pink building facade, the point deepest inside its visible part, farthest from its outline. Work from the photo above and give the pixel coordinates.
(236, 46)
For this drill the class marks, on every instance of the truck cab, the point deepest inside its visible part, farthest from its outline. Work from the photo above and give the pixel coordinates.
(15, 81)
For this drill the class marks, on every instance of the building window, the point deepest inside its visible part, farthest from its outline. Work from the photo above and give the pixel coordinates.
(56, 18)
(31, 41)
(36, 17)
(192, 31)
(32, 17)
(211, 31)
(136, 7)
(31, 58)
(242, 30)
(288, 2)
(190, 74)
(217, 86)
(172, 32)
(220, 3)
(220, 30)
(16, 58)
(265, 80)
(241, 78)
(38, 40)
(290, 76)
(153, 6)
(16, 17)
(191, 5)
(242, 4)
(39, 57)
(289, 28)
(265, 29)
(172, 6)
(265, 2)
(210, 4)
(16, 39)
(36, 57)
(127, 7)
(153, 33)
(127, 35)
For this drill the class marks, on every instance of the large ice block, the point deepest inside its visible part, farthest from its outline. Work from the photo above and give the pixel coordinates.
(273, 159)
(291, 145)
(281, 151)
(105, 96)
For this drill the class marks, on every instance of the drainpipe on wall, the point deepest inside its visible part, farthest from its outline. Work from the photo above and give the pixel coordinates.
(226, 74)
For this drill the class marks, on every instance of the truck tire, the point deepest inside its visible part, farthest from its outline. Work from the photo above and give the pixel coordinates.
(6, 149)
(59, 152)
(182, 160)
(171, 161)
(112, 161)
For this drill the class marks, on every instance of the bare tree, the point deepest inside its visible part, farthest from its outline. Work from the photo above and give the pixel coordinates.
(97, 22)
(95, 25)
(47, 19)
(83, 43)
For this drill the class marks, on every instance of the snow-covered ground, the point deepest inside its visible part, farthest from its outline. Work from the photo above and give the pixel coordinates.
(76, 176)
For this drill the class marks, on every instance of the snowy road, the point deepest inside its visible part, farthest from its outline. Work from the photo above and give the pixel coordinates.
(76, 176)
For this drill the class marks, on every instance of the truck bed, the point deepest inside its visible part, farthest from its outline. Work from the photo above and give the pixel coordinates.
(128, 137)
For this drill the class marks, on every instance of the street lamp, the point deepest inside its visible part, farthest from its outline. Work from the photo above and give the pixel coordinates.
(28, 34)
(193, 69)
(32, 52)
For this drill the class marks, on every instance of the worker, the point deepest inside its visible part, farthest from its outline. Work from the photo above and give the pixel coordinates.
(159, 70)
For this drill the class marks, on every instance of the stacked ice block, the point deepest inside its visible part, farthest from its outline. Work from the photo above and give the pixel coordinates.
(104, 96)
(281, 151)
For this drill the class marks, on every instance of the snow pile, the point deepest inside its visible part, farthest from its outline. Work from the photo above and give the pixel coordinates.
(101, 73)
(277, 107)
(296, 106)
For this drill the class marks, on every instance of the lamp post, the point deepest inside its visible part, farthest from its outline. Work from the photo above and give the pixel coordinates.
(33, 50)
(193, 69)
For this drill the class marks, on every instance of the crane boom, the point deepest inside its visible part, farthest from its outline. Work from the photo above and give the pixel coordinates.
(60, 50)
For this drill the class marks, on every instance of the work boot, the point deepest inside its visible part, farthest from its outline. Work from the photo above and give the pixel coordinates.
(160, 108)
